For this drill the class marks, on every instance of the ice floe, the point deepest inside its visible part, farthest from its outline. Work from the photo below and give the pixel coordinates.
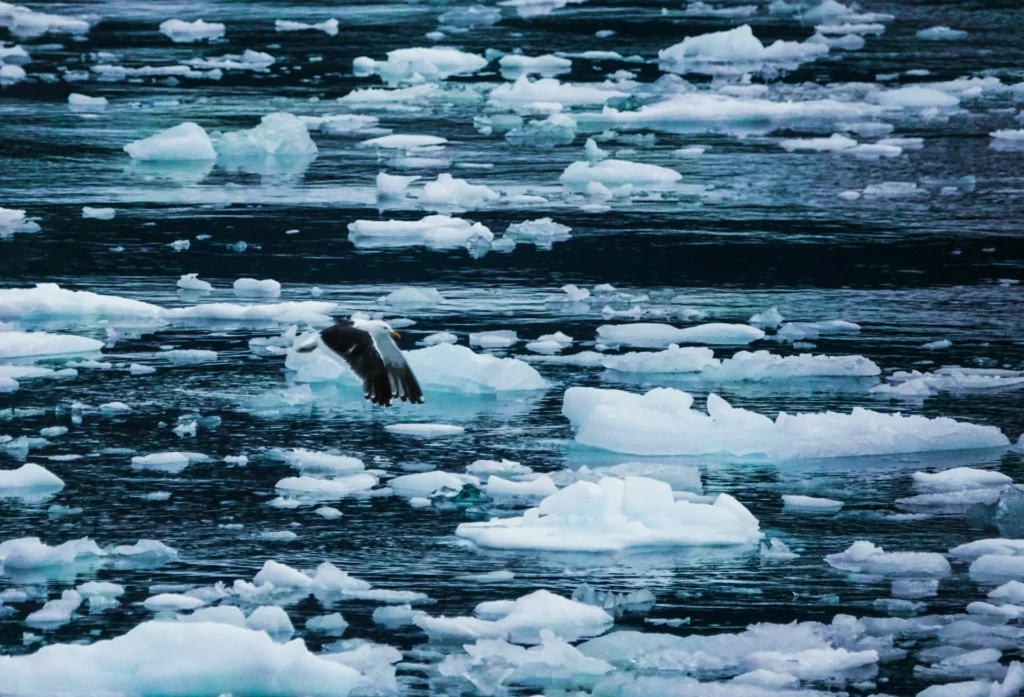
(863, 557)
(662, 422)
(651, 335)
(328, 26)
(136, 662)
(417, 64)
(736, 51)
(435, 231)
(616, 514)
(182, 32)
(21, 344)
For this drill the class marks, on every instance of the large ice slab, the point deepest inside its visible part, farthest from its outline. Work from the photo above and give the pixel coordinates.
(651, 335)
(736, 51)
(617, 173)
(662, 422)
(616, 514)
(436, 231)
(409, 64)
(177, 658)
(50, 300)
(443, 367)
(21, 344)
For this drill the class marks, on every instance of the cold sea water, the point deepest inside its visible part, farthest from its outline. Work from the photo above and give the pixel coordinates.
(676, 167)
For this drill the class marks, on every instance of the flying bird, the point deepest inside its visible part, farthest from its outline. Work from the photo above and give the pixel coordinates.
(368, 347)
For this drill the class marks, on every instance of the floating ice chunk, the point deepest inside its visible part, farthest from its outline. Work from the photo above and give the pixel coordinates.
(30, 553)
(801, 331)
(181, 32)
(703, 9)
(83, 102)
(959, 479)
(542, 232)
(99, 213)
(736, 51)
(779, 551)
(674, 359)
(329, 26)
(1009, 592)
(328, 488)
(170, 462)
(137, 663)
(250, 286)
(948, 379)
(55, 612)
(172, 602)
(769, 319)
(341, 123)
(410, 296)
(25, 23)
(500, 338)
(862, 557)
(278, 536)
(436, 231)
(556, 129)
(941, 33)
(191, 281)
(188, 356)
(1008, 135)
(186, 141)
(439, 338)
(279, 135)
(811, 663)
(328, 513)
(811, 503)
(762, 365)
(271, 619)
(310, 311)
(618, 172)
(313, 461)
(145, 552)
(500, 576)
(333, 624)
(100, 589)
(979, 548)
(542, 486)
(490, 664)
(396, 616)
(404, 142)
(937, 345)
(30, 478)
(11, 74)
(661, 422)
(390, 186)
(418, 64)
(448, 192)
(501, 467)
(512, 65)
(833, 143)
(659, 335)
(524, 93)
(15, 344)
(917, 97)
(524, 621)
(425, 430)
(247, 60)
(12, 221)
(615, 514)
(997, 568)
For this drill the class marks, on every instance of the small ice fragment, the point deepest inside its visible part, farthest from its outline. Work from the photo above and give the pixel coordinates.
(99, 213)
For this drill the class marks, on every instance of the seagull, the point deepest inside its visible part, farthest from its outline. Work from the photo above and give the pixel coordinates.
(368, 348)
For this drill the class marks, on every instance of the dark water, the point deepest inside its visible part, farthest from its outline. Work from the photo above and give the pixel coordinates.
(769, 229)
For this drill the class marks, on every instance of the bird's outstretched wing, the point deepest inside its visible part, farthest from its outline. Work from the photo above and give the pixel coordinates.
(377, 361)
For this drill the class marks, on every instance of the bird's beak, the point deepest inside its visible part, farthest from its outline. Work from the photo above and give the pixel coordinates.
(395, 334)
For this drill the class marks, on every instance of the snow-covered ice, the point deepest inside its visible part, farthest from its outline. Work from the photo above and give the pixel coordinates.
(184, 142)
